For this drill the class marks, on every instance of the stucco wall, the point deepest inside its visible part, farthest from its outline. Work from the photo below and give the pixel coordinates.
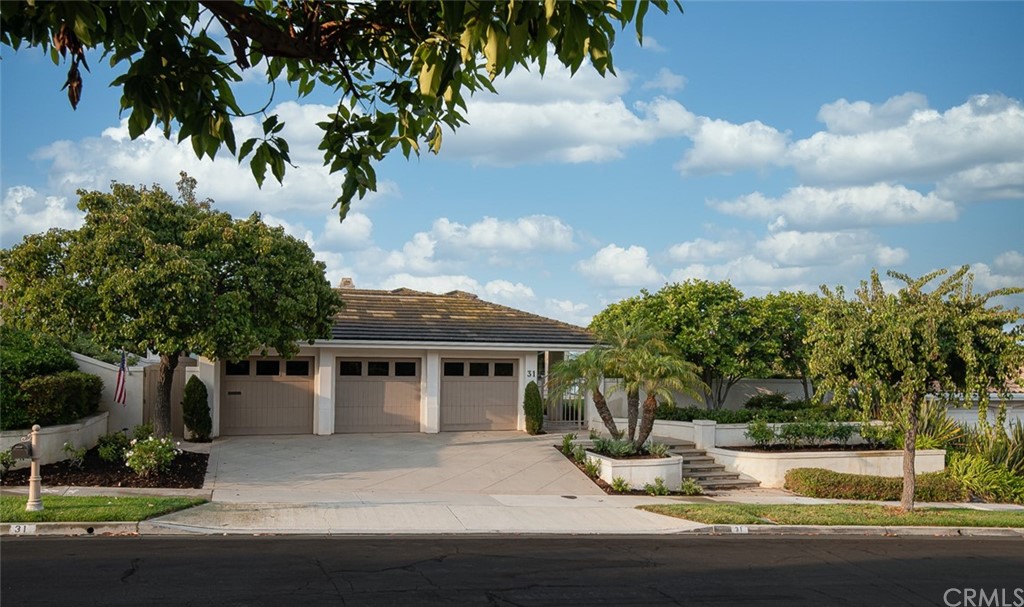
(123, 416)
(84, 433)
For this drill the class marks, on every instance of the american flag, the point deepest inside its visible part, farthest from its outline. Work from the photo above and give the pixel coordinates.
(120, 394)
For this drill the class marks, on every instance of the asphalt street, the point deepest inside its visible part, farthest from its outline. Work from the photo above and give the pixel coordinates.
(508, 570)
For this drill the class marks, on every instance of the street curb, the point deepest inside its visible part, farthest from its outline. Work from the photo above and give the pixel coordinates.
(857, 530)
(68, 529)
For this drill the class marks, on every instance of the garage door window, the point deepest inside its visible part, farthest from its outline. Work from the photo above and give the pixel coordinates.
(454, 369)
(296, 368)
(236, 367)
(268, 367)
(351, 368)
(378, 368)
(503, 369)
(479, 369)
(405, 369)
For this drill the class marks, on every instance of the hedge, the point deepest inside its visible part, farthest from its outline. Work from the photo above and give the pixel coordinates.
(819, 482)
(61, 398)
(793, 411)
(24, 355)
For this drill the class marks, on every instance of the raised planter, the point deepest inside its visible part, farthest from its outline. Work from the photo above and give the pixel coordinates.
(640, 472)
(86, 432)
(771, 468)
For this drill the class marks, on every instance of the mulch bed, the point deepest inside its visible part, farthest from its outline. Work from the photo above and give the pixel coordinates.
(188, 471)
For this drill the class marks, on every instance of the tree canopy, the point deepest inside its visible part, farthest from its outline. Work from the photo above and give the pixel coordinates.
(897, 348)
(711, 325)
(147, 272)
(401, 69)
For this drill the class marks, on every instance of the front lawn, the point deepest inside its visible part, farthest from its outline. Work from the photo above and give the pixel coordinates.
(836, 514)
(91, 509)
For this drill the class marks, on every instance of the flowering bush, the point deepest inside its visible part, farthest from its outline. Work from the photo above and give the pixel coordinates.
(150, 455)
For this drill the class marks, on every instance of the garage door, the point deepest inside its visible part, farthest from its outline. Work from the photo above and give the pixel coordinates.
(377, 395)
(267, 396)
(479, 395)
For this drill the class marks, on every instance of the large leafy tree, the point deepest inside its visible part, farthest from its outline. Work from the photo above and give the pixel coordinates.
(401, 70)
(900, 347)
(787, 315)
(711, 325)
(148, 272)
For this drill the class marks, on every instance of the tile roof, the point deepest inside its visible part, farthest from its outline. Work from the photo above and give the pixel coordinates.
(407, 315)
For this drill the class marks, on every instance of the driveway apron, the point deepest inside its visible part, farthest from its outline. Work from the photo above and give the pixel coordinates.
(350, 467)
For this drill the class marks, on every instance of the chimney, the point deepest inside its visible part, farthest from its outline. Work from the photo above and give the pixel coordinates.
(347, 283)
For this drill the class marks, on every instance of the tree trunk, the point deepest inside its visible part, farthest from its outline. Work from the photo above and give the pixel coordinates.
(606, 415)
(909, 452)
(807, 386)
(162, 407)
(647, 421)
(633, 412)
(709, 391)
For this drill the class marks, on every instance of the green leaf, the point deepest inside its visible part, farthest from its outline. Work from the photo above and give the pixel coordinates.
(246, 148)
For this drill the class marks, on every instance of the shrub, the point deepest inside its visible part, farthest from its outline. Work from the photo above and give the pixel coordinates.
(592, 468)
(567, 440)
(690, 487)
(657, 449)
(766, 400)
(142, 431)
(112, 447)
(151, 455)
(935, 429)
(196, 410)
(791, 435)
(613, 447)
(61, 398)
(818, 482)
(579, 454)
(24, 355)
(760, 432)
(533, 407)
(6, 461)
(879, 436)
(658, 488)
(998, 446)
(76, 457)
(991, 482)
(840, 432)
(620, 485)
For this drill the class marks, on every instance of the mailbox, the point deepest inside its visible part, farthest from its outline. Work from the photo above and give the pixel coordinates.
(22, 450)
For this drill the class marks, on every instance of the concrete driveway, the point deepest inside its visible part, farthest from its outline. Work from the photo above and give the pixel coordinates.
(341, 468)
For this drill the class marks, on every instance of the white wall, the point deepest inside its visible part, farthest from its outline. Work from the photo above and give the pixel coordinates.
(969, 415)
(738, 394)
(123, 416)
(84, 433)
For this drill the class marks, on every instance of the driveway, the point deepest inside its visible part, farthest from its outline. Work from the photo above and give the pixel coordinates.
(341, 467)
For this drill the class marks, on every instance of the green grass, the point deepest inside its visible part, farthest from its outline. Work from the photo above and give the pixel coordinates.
(91, 509)
(837, 514)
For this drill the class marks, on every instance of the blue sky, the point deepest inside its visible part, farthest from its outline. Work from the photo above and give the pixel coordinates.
(775, 145)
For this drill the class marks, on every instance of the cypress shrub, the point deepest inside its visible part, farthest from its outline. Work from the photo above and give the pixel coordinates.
(533, 406)
(195, 410)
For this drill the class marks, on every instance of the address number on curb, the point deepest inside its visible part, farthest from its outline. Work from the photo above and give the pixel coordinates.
(22, 529)
(740, 529)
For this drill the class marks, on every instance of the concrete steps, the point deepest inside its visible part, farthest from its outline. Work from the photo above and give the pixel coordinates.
(703, 468)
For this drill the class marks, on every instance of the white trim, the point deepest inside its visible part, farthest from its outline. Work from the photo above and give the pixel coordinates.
(450, 345)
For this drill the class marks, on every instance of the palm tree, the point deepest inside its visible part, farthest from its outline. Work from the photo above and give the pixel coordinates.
(586, 371)
(638, 354)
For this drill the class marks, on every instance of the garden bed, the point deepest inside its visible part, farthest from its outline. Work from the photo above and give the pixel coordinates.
(187, 471)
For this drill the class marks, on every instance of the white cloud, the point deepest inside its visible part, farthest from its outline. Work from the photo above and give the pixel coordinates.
(723, 147)
(817, 208)
(508, 292)
(292, 229)
(568, 311)
(1010, 262)
(532, 233)
(746, 272)
(986, 129)
(665, 80)
(620, 267)
(24, 211)
(704, 250)
(651, 44)
(1001, 181)
(854, 247)
(846, 118)
(353, 233)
